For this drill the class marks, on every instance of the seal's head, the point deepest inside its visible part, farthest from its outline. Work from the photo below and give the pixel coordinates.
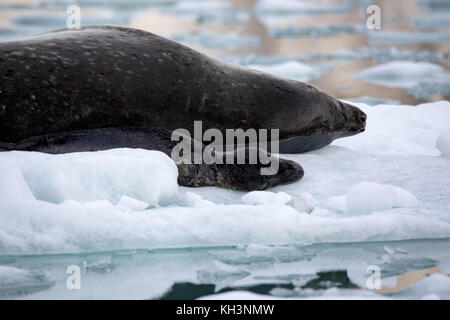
(315, 120)
(332, 116)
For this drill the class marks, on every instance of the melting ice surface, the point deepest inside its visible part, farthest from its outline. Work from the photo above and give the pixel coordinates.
(422, 79)
(377, 198)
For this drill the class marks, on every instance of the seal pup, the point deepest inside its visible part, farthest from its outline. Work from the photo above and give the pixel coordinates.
(242, 177)
(105, 77)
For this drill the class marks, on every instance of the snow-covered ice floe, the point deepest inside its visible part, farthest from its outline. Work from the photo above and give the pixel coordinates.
(388, 183)
(121, 216)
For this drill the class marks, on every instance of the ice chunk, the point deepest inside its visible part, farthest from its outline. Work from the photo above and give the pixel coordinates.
(195, 200)
(321, 31)
(12, 183)
(413, 76)
(338, 203)
(131, 203)
(443, 143)
(293, 70)
(298, 6)
(367, 197)
(15, 281)
(148, 176)
(201, 6)
(220, 273)
(303, 202)
(266, 198)
(434, 21)
(373, 101)
(407, 37)
(210, 39)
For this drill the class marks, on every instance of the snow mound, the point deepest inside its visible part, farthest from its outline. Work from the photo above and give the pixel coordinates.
(148, 176)
(367, 197)
(266, 198)
(304, 202)
(399, 129)
(443, 143)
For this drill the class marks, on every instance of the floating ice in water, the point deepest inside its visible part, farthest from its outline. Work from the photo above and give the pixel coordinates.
(221, 273)
(266, 198)
(372, 101)
(413, 76)
(321, 31)
(435, 21)
(208, 12)
(294, 70)
(406, 37)
(434, 5)
(148, 176)
(375, 54)
(201, 6)
(210, 39)
(443, 143)
(298, 6)
(367, 197)
(15, 281)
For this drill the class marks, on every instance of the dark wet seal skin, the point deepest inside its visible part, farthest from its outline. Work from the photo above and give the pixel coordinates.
(106, 77)
(243, 177)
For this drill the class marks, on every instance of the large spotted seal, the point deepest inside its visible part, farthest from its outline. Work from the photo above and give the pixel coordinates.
(105, 77)
(244, 177)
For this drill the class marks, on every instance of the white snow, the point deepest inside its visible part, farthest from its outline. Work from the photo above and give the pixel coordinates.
(266, 198)
(443, 143)
(303, 202)
(98, 201)
(367, 197)
(148, 176)
(401, 130)
(131, 203)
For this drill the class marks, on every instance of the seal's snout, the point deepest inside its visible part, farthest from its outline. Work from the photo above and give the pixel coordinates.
(356, 118)
(288, 172)
(362, 117)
